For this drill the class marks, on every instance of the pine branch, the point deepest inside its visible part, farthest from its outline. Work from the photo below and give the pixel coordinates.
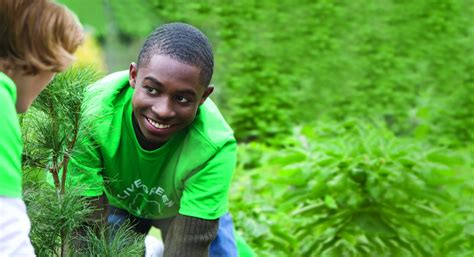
(57, 114)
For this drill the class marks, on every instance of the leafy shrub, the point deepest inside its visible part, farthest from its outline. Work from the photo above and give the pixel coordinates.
(352, 190)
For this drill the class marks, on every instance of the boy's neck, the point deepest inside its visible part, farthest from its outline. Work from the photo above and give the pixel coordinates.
(146, 145)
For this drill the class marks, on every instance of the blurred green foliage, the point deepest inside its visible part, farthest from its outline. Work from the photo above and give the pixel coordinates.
(131, 18)
(91, 13)
(354, 190)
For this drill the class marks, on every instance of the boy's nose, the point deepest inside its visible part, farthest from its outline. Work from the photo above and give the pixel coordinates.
(163, 108)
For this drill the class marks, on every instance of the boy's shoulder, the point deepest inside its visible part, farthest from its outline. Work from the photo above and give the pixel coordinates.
(7, 84)
(108, 88)
(102, 97)
(210, 126)
(206, 137)
(103, 106)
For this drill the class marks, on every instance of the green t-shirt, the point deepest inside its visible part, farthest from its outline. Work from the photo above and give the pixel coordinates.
(10, 140)
(190, 174)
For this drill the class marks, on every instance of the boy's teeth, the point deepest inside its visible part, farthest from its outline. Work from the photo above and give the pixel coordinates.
(157, 125)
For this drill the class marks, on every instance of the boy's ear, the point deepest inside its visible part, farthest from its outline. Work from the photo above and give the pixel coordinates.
(207, 93)
(132, 71)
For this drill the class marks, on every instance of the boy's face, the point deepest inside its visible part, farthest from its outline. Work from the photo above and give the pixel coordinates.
(29, 87)
(166, 97)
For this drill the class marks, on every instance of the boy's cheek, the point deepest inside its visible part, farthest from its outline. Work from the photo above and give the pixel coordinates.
(29, 87)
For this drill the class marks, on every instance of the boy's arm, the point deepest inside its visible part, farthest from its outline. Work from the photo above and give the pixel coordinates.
(205, 193)
(204, 200)
(85, 172)
(190, 236)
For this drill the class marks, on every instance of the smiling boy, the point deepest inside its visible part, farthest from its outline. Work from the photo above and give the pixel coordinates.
(158, 149)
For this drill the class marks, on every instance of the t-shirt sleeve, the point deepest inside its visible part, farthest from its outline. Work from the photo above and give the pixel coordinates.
(205, 193)
(85, 167)
(10, 146)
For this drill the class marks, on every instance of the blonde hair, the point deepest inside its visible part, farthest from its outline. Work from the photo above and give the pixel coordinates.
(38, 35)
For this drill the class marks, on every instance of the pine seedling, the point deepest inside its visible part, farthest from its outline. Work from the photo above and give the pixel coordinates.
(51, 130)
(54, 219)
(124, 242)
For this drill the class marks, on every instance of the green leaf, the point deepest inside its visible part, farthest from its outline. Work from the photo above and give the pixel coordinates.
(372, 223)
(330, 202)
(289, 158)
(315, 207)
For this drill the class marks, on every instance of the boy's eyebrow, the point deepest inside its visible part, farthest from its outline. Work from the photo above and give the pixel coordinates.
(183, 91)
(153, 80)
(187, 92)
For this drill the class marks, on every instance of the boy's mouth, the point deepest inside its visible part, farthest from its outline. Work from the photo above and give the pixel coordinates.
(156, 124)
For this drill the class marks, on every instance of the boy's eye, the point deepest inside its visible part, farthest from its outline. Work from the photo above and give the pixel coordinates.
(182, 99)
(150, 90)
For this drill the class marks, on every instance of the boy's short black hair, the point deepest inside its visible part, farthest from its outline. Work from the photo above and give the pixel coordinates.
(183, 43)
